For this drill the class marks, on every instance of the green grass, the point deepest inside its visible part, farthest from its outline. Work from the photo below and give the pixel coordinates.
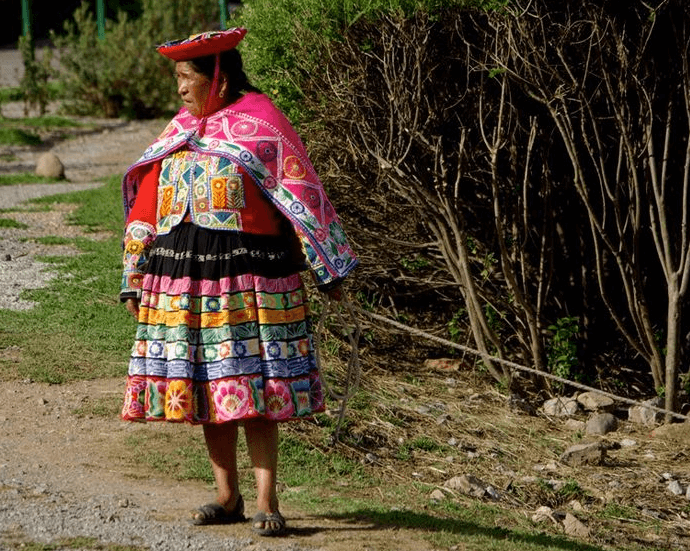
(22, 131)
(46, 121)
(25, 178)
(17, 136)
(10, 223)
(164, 453)
(10, 94)
(79, 330)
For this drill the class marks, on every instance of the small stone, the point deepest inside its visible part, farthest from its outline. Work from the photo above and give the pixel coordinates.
(575, 425)
(443, 419)
(561, 407)
(601, 423)
(542, 514)
(628, 443)
(468, 484)
(8, 257)
(584, 454)
(574, 527)
(676, 488)
(594, 401)
(492, 492)
(644, 415)
(443, 364)
(50, 166)
(576, 505)
(437, 495)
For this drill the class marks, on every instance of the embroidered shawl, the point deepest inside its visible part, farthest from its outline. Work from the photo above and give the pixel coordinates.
(253, 133)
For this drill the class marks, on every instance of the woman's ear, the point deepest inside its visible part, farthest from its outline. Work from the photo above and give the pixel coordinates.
(223, 87)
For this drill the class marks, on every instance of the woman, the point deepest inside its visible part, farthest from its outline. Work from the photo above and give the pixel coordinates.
(223, 211)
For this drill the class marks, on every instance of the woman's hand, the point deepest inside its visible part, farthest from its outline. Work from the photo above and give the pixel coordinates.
(132, 305)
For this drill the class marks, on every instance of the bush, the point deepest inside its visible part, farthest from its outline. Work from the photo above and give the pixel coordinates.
(123, 74)
(287, 40)
(34, 86)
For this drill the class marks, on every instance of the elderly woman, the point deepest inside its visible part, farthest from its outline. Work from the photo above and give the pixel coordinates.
(224, 210)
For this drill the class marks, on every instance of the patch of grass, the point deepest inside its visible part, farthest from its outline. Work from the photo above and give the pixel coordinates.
(101, 407)
(618, 510)
(25, 208)
(99, 209)
(54, 240)
(302, 463)
(25, 178)
(49, 121)
(11, 94)
(422, 443)
(17, 136)
(11, 223)
(83, 332)
(165, 453)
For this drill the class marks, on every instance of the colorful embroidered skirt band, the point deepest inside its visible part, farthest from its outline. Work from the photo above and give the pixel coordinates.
(222, 336)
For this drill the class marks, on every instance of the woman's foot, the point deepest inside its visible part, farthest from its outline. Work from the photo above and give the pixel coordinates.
(268, 524)
(215, 513)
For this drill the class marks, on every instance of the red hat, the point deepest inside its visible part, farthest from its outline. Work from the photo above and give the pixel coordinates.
(200, 45)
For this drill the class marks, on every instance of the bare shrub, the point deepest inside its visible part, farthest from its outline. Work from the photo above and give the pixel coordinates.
(543, 150)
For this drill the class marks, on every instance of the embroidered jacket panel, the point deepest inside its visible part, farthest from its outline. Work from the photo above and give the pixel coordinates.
(214, 193)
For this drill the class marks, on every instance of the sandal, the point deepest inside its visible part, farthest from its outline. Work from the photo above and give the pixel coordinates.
(215, 513)
(262, 521)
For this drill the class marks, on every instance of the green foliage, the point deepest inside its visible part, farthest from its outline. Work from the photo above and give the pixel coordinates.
(10, 94)
(415, 264)
(288, 40)
(304, 464)
(36, 91)
(10, 223)
(562, 348)
(164, 453)
(124, 74)
(17, 136)
(24, 178)
(458, 324)
(21, 131)
(47, 121)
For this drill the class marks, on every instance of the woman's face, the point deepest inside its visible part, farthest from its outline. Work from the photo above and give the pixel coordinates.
(193, 88)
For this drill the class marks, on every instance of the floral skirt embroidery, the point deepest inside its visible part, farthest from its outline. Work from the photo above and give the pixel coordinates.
(224, 335)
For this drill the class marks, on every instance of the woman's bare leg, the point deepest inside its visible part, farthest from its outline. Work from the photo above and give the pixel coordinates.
(221, 441)
(262, 444)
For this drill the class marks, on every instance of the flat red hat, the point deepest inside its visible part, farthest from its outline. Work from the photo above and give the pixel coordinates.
(204, 44)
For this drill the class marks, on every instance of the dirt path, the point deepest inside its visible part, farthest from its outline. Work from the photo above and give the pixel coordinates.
(64, 473)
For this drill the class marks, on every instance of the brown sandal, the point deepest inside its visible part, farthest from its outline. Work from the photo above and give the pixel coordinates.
(262, 520)
(215, 513)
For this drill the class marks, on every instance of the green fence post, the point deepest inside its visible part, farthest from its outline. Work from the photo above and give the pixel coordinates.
(223, 14)
(100, 17)
(26, 18)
